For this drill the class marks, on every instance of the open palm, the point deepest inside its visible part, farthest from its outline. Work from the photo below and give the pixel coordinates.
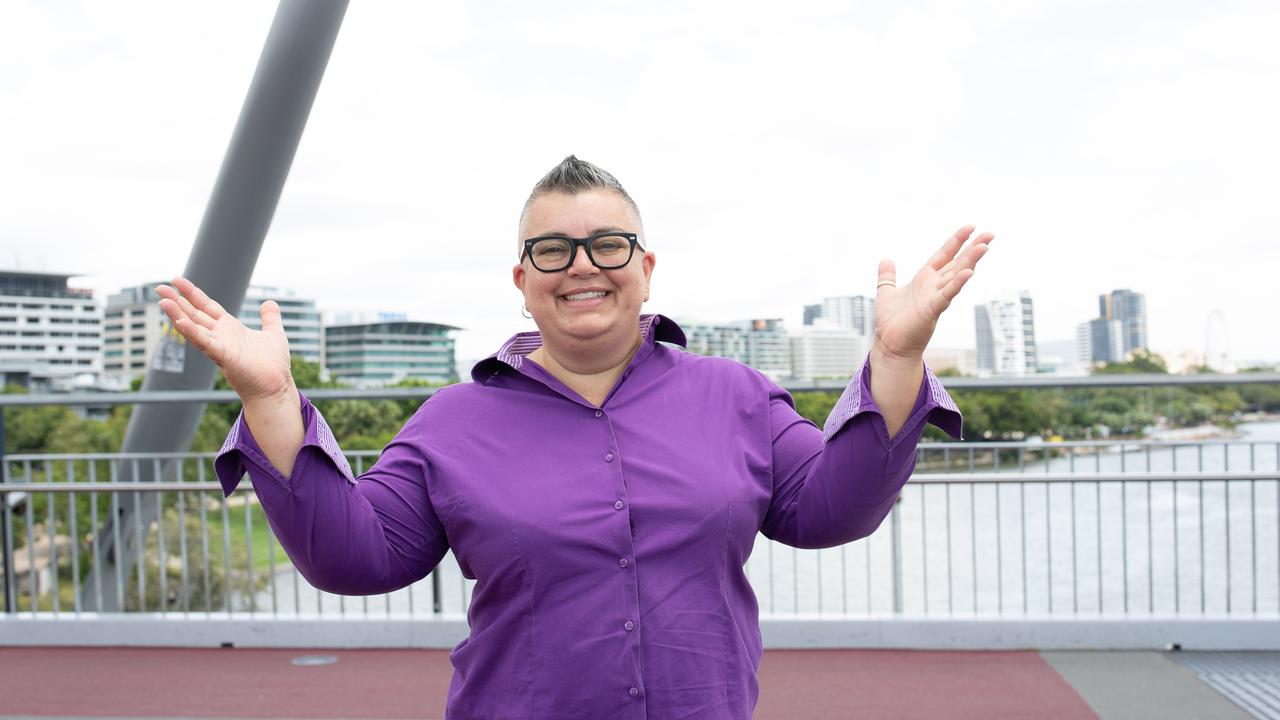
(906, 316)
(255, 362)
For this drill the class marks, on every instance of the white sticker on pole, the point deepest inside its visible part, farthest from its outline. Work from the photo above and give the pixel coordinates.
(170, 355)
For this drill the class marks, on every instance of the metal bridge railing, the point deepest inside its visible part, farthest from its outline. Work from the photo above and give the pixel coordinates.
(1104, 537)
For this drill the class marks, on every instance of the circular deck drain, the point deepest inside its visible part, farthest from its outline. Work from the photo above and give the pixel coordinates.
(314, 660)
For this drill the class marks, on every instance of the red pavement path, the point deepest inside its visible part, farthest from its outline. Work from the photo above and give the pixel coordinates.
(795, 684)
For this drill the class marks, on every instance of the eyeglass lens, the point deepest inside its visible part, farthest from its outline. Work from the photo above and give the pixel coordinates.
(606, 251)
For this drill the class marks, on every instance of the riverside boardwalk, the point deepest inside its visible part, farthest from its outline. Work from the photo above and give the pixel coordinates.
(94, 682)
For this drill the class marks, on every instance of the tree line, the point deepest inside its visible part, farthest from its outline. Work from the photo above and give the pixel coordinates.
(1070, 413)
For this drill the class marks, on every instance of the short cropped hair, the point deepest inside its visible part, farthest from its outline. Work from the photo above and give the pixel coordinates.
(573, 176)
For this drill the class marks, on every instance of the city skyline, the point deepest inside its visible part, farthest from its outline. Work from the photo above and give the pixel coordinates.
(1132, 151)
(386, 346)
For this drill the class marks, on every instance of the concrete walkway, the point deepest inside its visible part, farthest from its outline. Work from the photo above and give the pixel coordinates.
(1141, 686)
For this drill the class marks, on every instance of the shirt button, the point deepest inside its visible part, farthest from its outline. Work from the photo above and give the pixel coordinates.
(608, 457)
(622, 562)
(629, 626)
(599, 413)
(617, 505)
(635, 692)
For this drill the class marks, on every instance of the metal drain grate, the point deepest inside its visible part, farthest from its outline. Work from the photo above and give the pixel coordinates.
(1249, 679)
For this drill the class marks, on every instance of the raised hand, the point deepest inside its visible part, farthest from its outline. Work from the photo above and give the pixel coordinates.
(255, 362)
(906, 316)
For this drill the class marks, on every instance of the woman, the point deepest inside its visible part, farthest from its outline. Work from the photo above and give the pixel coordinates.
(603, 489)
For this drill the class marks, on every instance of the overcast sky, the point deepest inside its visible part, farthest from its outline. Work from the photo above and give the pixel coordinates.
(777, 151)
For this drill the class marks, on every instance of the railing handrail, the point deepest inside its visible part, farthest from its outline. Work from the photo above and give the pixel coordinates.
(944, 445)
(1062, 444)
(80, 399)
(20, 486)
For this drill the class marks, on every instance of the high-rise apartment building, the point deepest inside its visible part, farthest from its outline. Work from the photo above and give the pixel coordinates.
(300, 316)
(134, 325)
(761, 343)
(856, 312)
(1100, 341)
(812, 313)
(383, 352)
(50, 333)
(826, 352)
(1006, 336)
(1129, 308)
(1119, 329)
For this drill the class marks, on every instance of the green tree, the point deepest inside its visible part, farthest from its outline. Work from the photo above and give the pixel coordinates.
(1141, 361)
(371, 418)
(27, 429)
(1260, 398)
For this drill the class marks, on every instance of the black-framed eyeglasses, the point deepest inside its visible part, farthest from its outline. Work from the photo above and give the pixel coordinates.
(605, 250)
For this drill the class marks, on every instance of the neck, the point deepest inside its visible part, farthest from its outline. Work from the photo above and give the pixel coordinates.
(584, 369)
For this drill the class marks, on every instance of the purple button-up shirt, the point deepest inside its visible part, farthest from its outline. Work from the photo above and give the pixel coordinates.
(608, 543)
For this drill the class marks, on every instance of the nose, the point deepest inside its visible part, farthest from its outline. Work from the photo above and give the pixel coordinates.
(581, 266)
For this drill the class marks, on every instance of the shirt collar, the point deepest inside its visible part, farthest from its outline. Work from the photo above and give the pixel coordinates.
(654, 328)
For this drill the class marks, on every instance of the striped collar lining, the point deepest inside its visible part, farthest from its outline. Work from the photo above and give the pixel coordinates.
(512, 353)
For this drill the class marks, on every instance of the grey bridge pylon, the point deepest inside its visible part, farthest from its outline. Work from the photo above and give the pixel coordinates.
(226, 249)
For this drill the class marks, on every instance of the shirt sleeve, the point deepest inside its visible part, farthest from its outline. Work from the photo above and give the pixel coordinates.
(349, 535)
(836, 485)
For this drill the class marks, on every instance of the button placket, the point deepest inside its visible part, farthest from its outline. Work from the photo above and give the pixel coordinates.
(628, 578)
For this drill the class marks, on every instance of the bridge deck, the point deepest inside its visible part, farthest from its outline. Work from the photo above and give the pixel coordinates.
(80, 682)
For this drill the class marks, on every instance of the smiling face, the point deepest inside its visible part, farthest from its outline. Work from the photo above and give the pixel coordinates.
(582, 307)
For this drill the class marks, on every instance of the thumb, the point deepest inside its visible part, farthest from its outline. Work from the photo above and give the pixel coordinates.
(269, 312)
(887, 271)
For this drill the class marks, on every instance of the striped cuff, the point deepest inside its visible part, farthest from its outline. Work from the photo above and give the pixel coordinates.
(933, 402)
(229, 464)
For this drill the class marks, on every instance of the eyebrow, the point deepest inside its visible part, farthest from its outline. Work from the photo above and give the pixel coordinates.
(597, 231)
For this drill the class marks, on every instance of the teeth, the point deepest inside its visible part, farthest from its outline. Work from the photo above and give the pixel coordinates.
(586, 295)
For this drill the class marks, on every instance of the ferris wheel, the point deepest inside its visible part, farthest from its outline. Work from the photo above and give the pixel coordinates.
(1216, 344)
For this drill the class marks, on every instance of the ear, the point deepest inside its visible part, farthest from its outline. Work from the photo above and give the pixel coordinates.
(518, 276)
(646, 264)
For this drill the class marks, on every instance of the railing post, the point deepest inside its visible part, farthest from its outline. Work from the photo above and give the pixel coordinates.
(6, 555)
(895, 542)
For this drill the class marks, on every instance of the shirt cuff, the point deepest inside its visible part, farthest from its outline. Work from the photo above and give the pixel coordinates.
(933, 405)
(241, 453)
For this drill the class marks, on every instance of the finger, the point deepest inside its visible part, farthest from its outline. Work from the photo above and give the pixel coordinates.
(269, 312)
(200, 318)
(165, 291)
(943, 296)
(201, 338)
(946, 272)
(173, 310)
(886, 272)
(953, 288)
(950, 247)
(197, 297)
(968, 258)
